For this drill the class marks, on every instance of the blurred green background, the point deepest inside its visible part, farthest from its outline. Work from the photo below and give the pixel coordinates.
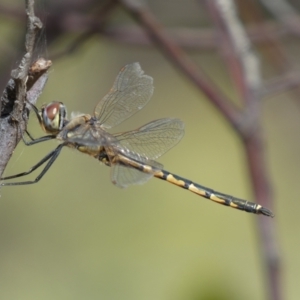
(76, 236)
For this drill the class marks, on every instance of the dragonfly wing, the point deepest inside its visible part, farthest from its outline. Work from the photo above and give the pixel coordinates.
(153, 139)
(131, 91)
(123, 175)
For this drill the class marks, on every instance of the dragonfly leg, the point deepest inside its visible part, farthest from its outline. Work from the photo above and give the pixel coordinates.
(50, 157)
(38, 140)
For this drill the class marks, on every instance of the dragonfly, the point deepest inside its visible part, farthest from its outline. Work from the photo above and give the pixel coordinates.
(131, 155)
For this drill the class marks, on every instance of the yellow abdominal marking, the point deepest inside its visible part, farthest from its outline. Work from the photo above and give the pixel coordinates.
(159, 174)
(147, 169)
(195, 190)
(213, 197)
(173, 180)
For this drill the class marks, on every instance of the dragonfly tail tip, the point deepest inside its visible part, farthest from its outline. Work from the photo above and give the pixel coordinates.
(266, 212)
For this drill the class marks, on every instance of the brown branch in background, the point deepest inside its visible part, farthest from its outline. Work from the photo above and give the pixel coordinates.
(272, 51)
(241, 61)
(89, 25)
(196, 39)
(190, 38)
(285, 13)
(25, 78)
(281, 84)
(180, 59)
(235, 48)
(246, 63)
(193, 38)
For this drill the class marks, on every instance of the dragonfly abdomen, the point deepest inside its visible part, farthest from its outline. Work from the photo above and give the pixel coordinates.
(210, 194)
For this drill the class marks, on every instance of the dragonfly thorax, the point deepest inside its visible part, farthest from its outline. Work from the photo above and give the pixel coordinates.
(52, 117)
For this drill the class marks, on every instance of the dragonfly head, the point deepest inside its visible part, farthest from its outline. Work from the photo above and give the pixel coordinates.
(52, 117)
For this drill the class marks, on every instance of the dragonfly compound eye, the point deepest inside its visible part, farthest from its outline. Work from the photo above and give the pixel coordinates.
(52, 116)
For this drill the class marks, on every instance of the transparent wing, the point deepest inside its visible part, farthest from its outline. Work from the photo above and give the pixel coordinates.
(153, 139)
(123, 175)
(130, 93)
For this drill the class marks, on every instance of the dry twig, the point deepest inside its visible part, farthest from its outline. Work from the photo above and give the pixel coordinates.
(27, 82)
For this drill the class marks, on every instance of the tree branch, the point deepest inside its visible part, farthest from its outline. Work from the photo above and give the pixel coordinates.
(245, 68)
(27, 82)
